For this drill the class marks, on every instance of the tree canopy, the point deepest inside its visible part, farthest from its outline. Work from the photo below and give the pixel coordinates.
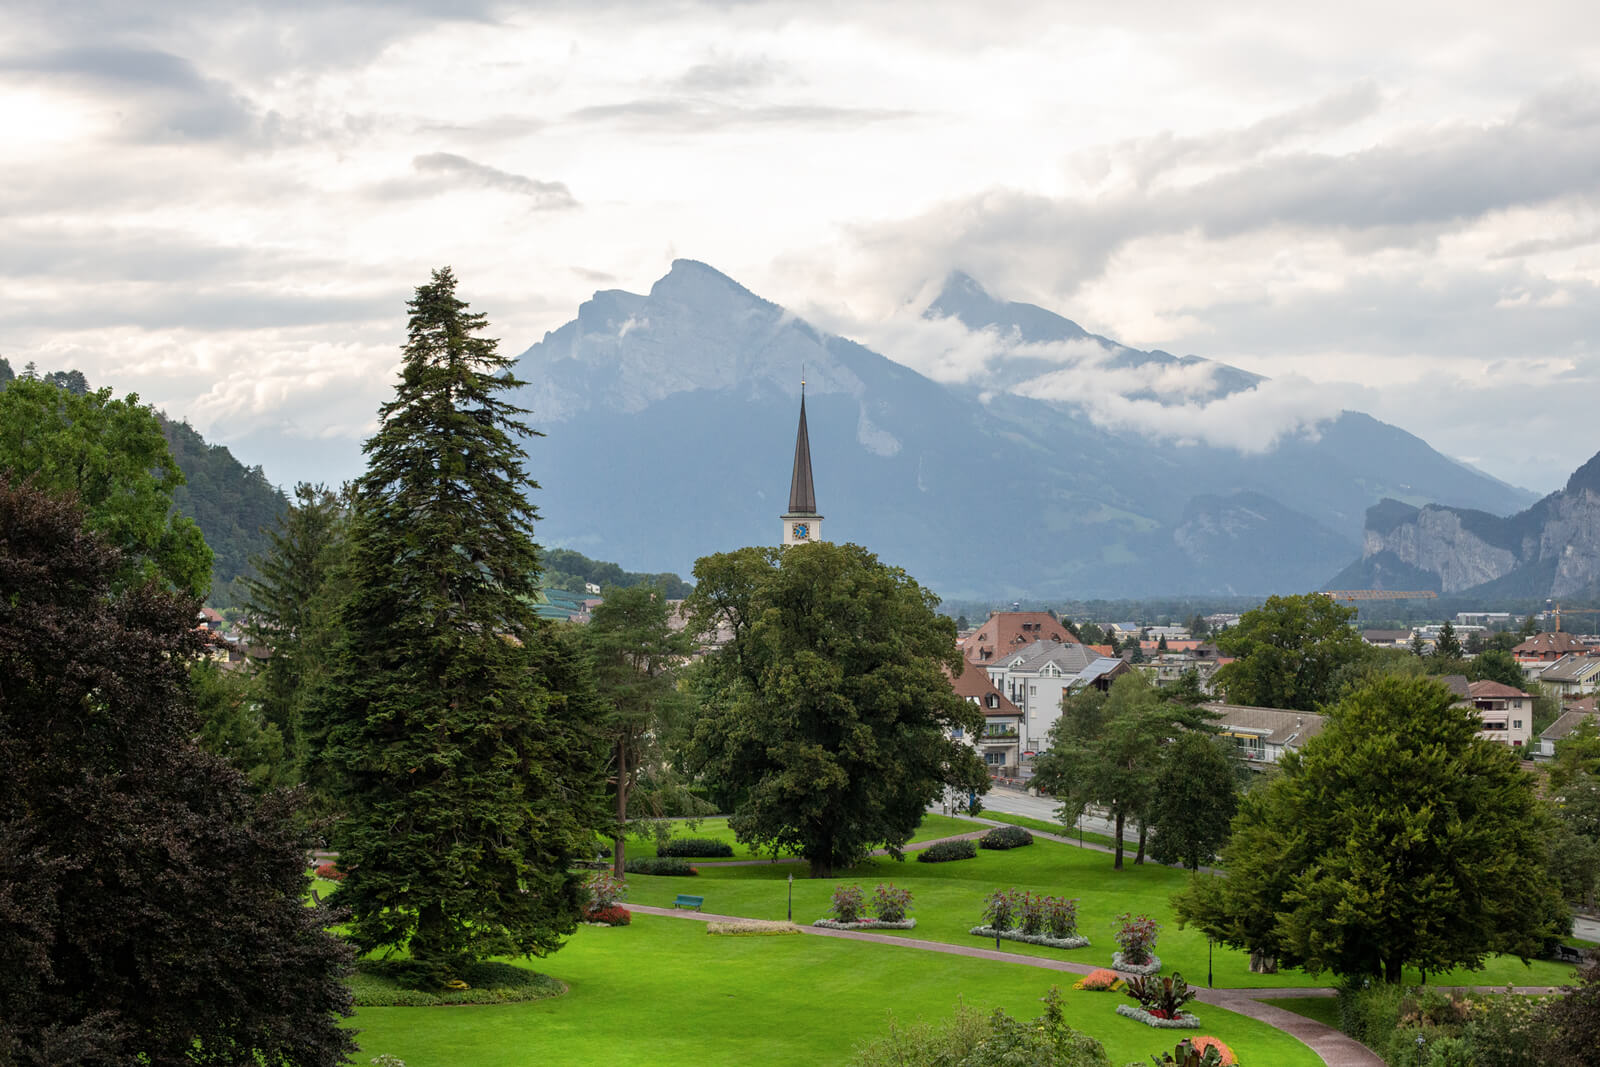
(150, 902)
(1288, 652)
(461, 742)
(1397, 837)
(828, 714)
(112, 455)
(1193, 800)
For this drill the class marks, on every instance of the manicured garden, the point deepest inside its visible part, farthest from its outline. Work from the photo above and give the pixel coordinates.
(664, 991)
(948, 901)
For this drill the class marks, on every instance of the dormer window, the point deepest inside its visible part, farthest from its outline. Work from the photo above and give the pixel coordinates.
(992, 700)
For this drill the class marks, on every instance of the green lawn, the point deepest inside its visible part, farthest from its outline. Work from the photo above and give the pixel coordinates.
(1087, 837)
(715, 828)
(663, 991)
(1324, 1010)
(949, 899)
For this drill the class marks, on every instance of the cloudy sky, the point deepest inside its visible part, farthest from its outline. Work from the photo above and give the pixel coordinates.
(1392, 207)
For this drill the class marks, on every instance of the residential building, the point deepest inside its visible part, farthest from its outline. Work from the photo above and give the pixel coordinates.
(1036, 677)
(1507, 712)
(1263, 735)
(999, 743)
(1007, 631)
(1548, 647)
(1563, 727)
(1572, 675)
(1387, 638)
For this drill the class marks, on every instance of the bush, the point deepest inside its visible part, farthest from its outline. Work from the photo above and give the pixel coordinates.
(604, 891)
(1369, 1012)
(944, 851)
(1005, 837)
(614, 915)
(847, 904)
(1099, 981)
(1136, 937)
(1191, 1052)
(659, 865)
(694, 847)
(1031, 914)
(890, 903)
(973, 1040)
(1000, 909)
(330, 872)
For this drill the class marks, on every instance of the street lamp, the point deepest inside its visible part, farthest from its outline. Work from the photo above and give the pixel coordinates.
(1208, 961)
(791, 897)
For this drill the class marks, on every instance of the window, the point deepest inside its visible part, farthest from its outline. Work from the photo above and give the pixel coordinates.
(992, 700)
(995, 759)
(1516, 724)
(1033, 690)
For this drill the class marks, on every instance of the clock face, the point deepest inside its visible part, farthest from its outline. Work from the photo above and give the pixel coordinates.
(801, 531)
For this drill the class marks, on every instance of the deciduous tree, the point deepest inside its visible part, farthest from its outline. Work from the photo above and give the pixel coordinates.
(462, 742)
(1195, 796)
(112, 455)
(1288, 652)
(150, 902)
(1397, 837)
(829, 712)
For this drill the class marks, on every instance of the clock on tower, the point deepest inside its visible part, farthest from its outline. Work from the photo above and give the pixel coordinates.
(801, 523)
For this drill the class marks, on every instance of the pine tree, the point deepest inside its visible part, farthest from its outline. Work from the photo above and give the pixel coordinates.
(460, 737)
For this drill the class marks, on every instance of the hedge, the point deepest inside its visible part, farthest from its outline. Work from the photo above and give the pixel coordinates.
(944, 851)
(694, 846)
(659, 865)
(1006, 837)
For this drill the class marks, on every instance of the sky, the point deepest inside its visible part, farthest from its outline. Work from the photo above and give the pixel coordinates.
(1389, 207)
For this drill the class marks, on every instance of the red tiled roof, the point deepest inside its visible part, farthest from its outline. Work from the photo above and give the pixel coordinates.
(974, 683)
(1546, 644)
(1488, 688)
(1007, 631)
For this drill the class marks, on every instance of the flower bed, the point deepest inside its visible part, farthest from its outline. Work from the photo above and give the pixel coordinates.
(1182, 1021)
(867, 924)
(1151, 966)
(1076, 941)
(1100, 980)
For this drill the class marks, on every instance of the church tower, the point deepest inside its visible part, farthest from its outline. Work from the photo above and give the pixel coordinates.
(802, 524)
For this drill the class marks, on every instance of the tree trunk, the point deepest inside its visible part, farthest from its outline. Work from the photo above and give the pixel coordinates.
(821, 868)
(1143, 836)
(1117, 864)
(1391, 971)
(620, 845)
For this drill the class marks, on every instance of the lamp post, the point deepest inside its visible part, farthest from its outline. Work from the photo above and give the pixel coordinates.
(1208, 961)
(791, 897)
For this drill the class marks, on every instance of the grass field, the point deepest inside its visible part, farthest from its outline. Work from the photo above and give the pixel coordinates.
(949, 899)
(1324, 1010)
(663, 991)
(1087, 837)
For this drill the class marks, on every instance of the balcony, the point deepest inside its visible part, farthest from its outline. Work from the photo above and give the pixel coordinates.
(1000, 735)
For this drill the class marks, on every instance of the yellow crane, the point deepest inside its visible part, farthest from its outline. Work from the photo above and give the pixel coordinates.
(1558, 611)
(1380, 594)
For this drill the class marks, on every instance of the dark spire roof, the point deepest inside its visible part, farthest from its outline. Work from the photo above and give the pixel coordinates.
(802, 496)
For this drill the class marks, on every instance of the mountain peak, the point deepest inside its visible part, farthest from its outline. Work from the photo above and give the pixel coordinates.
(702, 285)
(965, 300)
(1586, 476)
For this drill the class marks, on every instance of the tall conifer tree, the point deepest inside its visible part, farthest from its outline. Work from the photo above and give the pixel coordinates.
(460, 744)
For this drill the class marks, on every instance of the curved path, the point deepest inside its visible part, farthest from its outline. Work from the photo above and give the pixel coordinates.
(1335, 1048)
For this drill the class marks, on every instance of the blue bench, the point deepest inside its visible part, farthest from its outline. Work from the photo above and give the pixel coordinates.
(684, 900)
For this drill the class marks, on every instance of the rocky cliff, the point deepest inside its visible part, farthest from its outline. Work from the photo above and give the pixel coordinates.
(1552, 549)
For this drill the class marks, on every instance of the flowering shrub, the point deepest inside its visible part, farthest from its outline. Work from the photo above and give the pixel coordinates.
(1098, 981)
(1225, 1054)
(615, 915)
(890, 903)
(847, 903)
(330, 872)
(945, 851)
(1061, 917)
(1003, 837)
(1000, 909)
(604, 890)
(1136, 937)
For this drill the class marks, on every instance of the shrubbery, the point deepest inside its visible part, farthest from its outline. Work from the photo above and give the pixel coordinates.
(330, 871)
(659, 865)
(1136, 937)
(974, 1040)
(615, 915)
(944, 851)
(847, 904)
(1434, 1028)
(890, 903)
(1006, 837)
(1162, 997)
(695, 847)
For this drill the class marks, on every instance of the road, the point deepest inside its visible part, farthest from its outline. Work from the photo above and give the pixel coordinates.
(1017, 802)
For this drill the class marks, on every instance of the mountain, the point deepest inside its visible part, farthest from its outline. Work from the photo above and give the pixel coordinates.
(670, 420)
(1550, 550)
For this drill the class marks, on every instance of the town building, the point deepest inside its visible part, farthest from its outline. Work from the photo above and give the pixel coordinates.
(1006, 631)
(1564, 726)
(999, 743)
(802, 523)
(1263, 735)
(1571, 676)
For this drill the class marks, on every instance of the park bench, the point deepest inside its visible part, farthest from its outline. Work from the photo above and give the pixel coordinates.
(1568, 954)
(684, 900)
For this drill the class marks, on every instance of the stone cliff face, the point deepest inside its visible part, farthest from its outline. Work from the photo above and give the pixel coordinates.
(1552, 549)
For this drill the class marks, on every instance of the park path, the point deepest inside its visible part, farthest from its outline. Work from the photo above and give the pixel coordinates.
(1335, 1048)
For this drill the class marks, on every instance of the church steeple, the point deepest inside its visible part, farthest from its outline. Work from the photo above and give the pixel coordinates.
(802, 523)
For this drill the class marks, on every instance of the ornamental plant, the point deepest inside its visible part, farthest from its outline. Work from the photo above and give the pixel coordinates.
(1136, 937)
(1099, 981)
(1061, 917)
(605, 891)
(1031, 913)
(1162, 997)
(330, 871)
(890, 903)
(847, 904)
(1000, 909)
(1191, 1053)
